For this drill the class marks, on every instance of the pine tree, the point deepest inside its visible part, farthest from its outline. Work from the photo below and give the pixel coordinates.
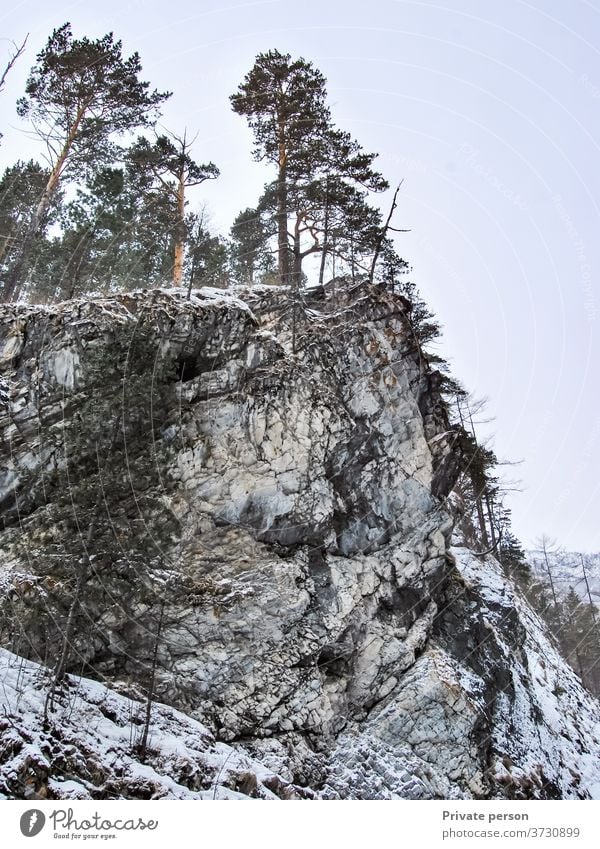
(20, 189)
(207, 258)
(248, 246)
(80, 96)
(512, 557)
(284, 102)
(171, 165)
(117, 233)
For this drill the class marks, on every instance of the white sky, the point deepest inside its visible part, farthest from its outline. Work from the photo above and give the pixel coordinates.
(491, 113)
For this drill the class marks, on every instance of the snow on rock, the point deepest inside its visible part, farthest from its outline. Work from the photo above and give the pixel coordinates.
(319, 632)
(546, 726)
(492, 714)
(89, 747)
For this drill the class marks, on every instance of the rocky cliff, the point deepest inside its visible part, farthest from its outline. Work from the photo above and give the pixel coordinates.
(315, 621)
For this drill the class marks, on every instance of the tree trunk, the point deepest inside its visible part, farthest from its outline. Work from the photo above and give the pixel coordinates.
(295, 283)
(490, 513)
(325, 234)
(179, 231)
(589, 594)
(282, 222)
(61, 664)
(150, 695)
(12, 284)
(576, 649)
(383, 233)
(481, 519)
(83, 573)
(4, 247)
(550, 578)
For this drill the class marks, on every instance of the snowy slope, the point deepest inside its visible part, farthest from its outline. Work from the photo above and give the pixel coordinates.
(506, 710)
(88, 749)
(545, 721)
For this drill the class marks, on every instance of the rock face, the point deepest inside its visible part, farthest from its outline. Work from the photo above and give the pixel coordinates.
(315, 618)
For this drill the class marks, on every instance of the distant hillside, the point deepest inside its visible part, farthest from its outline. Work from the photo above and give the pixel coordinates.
(567, 571)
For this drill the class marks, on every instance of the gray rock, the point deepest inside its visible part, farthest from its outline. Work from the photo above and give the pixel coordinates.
(319, 623)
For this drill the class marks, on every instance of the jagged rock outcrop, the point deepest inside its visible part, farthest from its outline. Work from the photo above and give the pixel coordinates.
(314, 616)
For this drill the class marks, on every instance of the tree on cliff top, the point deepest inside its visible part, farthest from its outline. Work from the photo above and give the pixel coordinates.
(170, 163)
(80, 95)
(284, 102)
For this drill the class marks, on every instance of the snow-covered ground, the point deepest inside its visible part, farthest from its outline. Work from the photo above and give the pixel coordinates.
(88, 748)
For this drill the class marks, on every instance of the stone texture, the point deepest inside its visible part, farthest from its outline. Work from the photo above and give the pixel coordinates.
(322, 623)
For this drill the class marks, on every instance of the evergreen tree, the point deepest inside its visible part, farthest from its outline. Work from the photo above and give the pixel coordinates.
(171, 165)
(571, 636)
(349, 226)
(80, 96)
(284, 102)
(477, 461)
(20, 189)
(332, 194)
(207, 260)
(117, 233)
(248, 246)
(512, 557)
(325, 173)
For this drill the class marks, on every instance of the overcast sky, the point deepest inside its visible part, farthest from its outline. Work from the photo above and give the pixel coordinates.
(490, 112)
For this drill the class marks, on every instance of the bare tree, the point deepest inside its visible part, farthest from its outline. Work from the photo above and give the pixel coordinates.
(143, 745)
(18, 51)
(547, 546)
(384, 231)
(589, 594)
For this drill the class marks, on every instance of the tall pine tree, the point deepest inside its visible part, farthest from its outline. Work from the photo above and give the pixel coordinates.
(80, 96)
